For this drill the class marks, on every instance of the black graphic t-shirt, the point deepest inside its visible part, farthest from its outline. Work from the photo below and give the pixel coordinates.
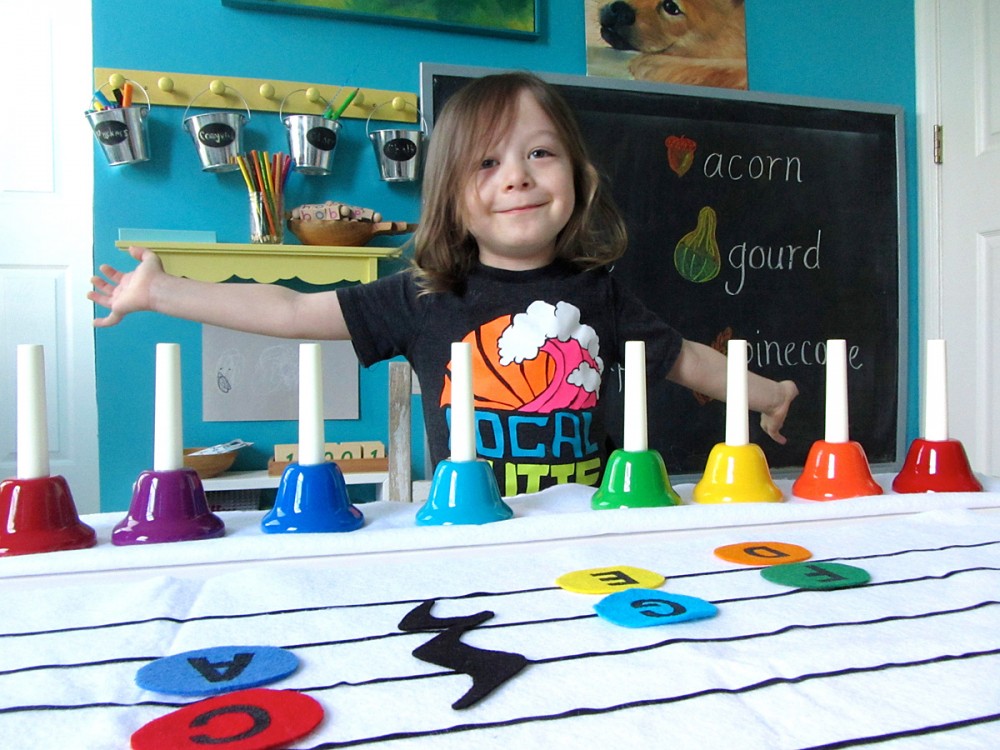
(544, 343)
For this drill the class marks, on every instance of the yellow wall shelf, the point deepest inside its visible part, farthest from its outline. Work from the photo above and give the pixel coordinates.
(313, 264)
(258, 94)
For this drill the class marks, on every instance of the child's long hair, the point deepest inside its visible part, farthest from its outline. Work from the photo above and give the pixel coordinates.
(470, 122)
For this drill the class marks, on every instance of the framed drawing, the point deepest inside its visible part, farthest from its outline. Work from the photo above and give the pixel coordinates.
(519, 18)
(705, 44)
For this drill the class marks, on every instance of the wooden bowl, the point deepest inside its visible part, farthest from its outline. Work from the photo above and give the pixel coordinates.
(344, 233)
(210, 465)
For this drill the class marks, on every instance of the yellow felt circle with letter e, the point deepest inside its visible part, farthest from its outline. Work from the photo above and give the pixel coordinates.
(609, 579)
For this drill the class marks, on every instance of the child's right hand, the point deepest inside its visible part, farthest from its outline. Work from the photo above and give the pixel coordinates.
(124, 293)
(773, 419)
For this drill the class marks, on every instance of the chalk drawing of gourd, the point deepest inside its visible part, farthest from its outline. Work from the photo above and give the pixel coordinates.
(696, 256)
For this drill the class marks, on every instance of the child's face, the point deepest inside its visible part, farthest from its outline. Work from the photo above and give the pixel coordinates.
(522, 195)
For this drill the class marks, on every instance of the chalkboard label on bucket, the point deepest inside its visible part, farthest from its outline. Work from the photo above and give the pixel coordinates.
(400, 149)
(322, 138)
(216, 135)
(111, 132)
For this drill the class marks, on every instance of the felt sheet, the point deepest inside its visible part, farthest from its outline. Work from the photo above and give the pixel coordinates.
(914, 654)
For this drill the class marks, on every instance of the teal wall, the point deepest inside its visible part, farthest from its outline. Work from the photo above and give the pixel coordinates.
(840, 50)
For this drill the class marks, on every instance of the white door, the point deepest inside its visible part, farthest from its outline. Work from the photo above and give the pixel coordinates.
(958, 74)
(46, 231)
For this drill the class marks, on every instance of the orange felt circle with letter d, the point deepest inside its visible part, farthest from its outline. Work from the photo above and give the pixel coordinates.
(763, 553)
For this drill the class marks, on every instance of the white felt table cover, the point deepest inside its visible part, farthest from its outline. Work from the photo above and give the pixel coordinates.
(915, 651)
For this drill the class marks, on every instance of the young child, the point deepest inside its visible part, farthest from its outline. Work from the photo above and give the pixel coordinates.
(512, 252)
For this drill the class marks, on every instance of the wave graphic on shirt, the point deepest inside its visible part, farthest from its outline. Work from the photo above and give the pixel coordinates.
(538, 361)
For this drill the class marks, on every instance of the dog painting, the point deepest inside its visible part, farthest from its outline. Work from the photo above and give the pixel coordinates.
(695, 42)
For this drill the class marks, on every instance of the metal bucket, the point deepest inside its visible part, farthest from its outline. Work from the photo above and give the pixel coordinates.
(121, 131)
(311, 140)
(218, 136)
(398, 153)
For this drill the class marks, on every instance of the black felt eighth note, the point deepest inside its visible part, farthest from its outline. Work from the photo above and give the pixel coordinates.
(488, 669)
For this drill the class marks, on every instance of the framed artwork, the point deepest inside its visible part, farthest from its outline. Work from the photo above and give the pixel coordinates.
(643, 40)
(251, 378)
(519, 18)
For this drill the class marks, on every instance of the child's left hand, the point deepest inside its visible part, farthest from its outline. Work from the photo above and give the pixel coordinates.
(773, 420)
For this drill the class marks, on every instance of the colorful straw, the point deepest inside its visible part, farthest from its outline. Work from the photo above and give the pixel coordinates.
(266, 174)
(344, 105)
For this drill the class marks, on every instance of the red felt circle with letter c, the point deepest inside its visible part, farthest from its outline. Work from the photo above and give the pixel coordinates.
(255, 719)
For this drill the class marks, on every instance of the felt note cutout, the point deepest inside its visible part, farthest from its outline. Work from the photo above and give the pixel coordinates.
(645, 608)
(763, 553)
(488, 669)
(606, 580)
(256, 719)
(220, 669)
(822, 576)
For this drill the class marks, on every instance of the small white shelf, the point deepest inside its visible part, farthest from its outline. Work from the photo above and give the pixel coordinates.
(261, 479)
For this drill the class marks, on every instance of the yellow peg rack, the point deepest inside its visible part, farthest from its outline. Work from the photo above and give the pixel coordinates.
(264, 95)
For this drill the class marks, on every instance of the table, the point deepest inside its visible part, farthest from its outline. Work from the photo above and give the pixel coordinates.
(914, 654)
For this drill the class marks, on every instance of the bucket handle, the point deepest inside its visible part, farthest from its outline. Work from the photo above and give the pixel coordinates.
(142, 88)
(226, 87)
(423, 122)
(281, 107)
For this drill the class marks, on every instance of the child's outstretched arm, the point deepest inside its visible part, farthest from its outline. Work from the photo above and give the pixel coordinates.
(255, 308)
(703, 369)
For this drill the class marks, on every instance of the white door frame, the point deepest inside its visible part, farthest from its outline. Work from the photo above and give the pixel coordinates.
(927, 13)
(46, 242)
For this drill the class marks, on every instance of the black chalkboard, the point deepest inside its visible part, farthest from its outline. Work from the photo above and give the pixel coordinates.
(807, 201)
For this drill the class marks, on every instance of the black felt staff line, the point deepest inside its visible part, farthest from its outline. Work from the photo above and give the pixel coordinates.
(660, 644)
(688, 640)
(568, 657)
(289, 647)
(573, 657)
(667, 700)
(853, 558)
(801, 591)
(453, 597)
(667, 642)
(78, 665)
(400, 633)
(270, 613)
(524, 623)
(918, 550)
(918, 732)
(768, 633)
(869, 585)
(85, 706)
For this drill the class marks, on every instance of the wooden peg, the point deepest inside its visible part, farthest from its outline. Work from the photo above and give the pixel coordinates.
(217, 87)
(165, 84)
(116, 80)
(312, 94)
(266, 90)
